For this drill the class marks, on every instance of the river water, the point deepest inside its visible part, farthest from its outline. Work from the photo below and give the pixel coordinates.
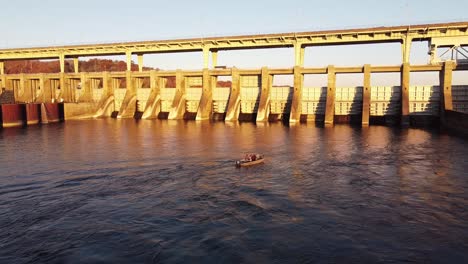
(126, 191)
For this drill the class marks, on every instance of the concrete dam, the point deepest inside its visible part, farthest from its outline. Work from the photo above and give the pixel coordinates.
(251, 95)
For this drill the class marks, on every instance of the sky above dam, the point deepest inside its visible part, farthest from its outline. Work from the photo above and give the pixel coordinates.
(30, 23)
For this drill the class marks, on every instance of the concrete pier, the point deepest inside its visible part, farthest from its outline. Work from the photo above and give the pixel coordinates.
(178, 104)
(366, 95)
(405, 79)
(331, 87)
(264, 105)
(206, 102)
(233, 109)
(297, 96)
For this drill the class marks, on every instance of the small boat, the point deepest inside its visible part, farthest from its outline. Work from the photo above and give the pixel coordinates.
(249, 160)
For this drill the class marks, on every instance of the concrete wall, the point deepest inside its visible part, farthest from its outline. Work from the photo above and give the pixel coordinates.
(15, 115)
(251, 97)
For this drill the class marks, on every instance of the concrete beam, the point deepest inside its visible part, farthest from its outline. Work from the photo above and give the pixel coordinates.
(405, 81)
(445, 83)
(233, 109)
(331, 90)
(449, 41)
(296, 105)
(206, 101)
(366, 95)
(317, 38)
(264, 105)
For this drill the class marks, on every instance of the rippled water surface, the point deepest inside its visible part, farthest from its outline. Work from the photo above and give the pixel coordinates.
(125, 191)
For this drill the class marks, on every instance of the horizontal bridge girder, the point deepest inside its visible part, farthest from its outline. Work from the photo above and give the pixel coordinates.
(449, 41)
(333, 37)
(243, 72)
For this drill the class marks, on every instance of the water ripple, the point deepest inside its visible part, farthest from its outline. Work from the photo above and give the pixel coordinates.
(168, 192)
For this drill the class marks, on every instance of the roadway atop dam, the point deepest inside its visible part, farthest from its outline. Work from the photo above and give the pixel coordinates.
(252, 94)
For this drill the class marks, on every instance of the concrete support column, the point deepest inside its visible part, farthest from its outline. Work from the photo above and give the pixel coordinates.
(406, 49)
(4, 82)
(154, 80)
(433, 53)
(331, 87)
(26, 88)
(405, 80)
(128, 55)
(86, 88)
(2, 67)
(264, 105)
(206, 101)
(48, 93)
(107, 84)
(75, 65)
(296, 105)
(16, 90)
(178, 105)
(140, 62)
(214, 58)
(22, 93)
(445, 83)
(206, 57)
(128, 107)
(366, 95)
(131, 87)
(153, 105)
(63, 88)
(41, 98)
(298, 54)
(62, 62)
(233, 108)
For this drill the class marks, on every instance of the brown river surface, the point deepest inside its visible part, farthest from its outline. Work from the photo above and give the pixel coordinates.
(158, 191)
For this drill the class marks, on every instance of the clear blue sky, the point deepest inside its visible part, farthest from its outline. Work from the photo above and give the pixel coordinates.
(56, 22)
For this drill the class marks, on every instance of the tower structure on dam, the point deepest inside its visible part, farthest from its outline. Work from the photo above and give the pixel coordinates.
(252, 95)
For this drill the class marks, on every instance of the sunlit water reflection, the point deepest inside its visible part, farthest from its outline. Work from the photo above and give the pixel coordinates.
(118, 191)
